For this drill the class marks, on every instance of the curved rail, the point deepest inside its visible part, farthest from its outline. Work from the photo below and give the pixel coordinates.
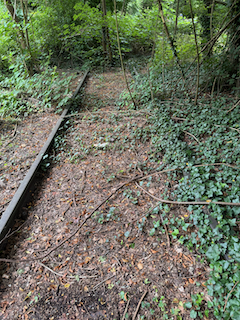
(10, 213)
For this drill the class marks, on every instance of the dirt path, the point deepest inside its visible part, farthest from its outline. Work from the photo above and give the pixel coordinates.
(121, 254)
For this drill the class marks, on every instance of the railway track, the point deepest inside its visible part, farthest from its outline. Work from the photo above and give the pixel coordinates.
(54, 267)
(10, 214)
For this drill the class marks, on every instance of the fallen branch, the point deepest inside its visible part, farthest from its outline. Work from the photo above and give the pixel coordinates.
(166, 230)
(139, 304)
(77, 229)
(121, 186)
(217, 125)
(8, 235)
(189, 202)
(125, 311)
(229, 295)
(97, 285)
(191, 136)
(62, 275)
(196, 166)
(236, 104)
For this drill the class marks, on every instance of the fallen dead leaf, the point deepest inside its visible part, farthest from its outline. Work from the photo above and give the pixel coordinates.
(140, 265)
(87, 259)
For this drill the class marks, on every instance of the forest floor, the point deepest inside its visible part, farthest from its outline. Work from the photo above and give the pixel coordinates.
(111, 265)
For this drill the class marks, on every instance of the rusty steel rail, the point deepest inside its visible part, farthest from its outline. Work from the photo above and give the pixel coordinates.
(14, 206)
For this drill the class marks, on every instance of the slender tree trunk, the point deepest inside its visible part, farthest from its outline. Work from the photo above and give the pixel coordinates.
(105, 38)
(205, 20)
(176, 21)
(170, 39)
(23, 38)
(20, 32)
(195, 37)
(120, 55)
(25, 16)
(234, 43)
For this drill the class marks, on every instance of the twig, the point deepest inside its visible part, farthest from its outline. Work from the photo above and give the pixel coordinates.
(9, 235)
(82, 182)
(234, 106)
(9, 141)
(120, 187)
(191, 135)
(166, 230)
(139, 304)
(49, 269)
(3, 205)
(229, 295)
(190, 202)
(61, 275)
(216, 164)
(177, 118)
(15, 130)
(125, 311)
(196, 166)
(86, 309)
(171, 42)
(217, 125)
(103, 281)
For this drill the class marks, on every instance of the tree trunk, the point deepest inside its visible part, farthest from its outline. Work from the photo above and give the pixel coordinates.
(105, 34)
(170, 39)
(234, 44)
(22, 37)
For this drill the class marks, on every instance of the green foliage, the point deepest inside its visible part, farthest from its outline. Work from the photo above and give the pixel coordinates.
(23, 94)
(7, 39)
(207, 134)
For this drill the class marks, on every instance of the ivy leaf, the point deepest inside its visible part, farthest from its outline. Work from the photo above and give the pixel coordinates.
(193, 314)
(213, 252)
(188, 305)
(126, 234)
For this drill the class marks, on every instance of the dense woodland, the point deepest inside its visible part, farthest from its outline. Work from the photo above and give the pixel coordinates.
(184, 61)
(198, 40)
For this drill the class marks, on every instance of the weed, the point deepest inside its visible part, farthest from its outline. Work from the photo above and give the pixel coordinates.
(206, 135)
(26, 95)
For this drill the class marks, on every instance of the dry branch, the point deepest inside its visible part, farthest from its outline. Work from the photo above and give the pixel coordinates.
(189, 202)
(139, 304)
(138, 177)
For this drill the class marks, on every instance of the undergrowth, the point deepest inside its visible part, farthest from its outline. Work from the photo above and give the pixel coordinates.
(202, 143)
(22, 95)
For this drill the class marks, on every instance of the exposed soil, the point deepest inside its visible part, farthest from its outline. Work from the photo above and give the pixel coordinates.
(112, 262)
